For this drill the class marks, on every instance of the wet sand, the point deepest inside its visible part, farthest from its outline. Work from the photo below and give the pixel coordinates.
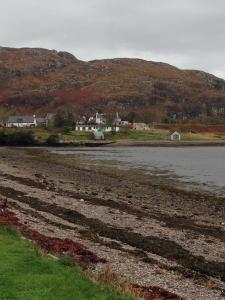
(148, 231)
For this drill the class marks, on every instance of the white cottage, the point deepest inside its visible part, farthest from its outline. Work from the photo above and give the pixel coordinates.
(142, 127)
(86, 128)
(92, 128)
(111, 129)
(22, 121)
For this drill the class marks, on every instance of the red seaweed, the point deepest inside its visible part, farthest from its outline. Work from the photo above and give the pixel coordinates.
(79, 253)
(52, 245)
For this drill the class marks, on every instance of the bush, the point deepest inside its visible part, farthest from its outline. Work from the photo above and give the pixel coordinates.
(20, 138)
(3, 138)
(66, 129)
(53, 140)
(17, 138)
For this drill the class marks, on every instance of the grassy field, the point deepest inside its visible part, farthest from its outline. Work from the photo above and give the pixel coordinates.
(135, 136)
(156, 134)
(123, 134)
(26, 274)
(203, 137)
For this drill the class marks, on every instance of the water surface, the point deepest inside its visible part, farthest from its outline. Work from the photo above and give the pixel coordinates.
(203, 166)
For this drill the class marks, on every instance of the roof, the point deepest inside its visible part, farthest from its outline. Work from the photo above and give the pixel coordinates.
(98, 133)
(175, 133)
(21, 119)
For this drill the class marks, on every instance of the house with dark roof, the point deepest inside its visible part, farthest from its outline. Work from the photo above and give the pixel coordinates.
(21, 121)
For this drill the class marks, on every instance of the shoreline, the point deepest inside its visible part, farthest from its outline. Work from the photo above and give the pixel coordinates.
(169, 143)
(149, 232)
(124, 143)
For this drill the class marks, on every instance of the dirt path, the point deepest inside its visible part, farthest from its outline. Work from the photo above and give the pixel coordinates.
(151, 233)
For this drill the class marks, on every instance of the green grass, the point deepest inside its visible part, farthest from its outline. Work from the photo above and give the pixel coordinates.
(135, 136)
(77, 136)
(42, 135)
(122, 135)
(26, 274)
(202, 137)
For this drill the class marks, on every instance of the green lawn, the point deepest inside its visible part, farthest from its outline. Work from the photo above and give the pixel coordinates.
(135, 136)
(26, 274)
(42, 135)
(202, 137)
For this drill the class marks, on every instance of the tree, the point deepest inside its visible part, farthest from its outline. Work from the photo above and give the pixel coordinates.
(131, 117)
(65, 120)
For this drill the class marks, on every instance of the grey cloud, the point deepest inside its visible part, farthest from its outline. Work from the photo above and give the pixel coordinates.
(186, 33)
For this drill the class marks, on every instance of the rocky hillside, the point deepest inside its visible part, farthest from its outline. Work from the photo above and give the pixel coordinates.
(40, 80)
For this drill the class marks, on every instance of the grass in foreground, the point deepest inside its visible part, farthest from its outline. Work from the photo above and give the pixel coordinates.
(26, 274)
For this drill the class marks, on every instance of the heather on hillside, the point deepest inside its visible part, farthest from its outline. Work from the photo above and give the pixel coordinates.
(40, 80)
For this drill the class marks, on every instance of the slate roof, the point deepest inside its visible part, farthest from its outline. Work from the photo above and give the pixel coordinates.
(21, 119)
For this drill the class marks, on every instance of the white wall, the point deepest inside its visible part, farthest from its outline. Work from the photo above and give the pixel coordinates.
(21, 125)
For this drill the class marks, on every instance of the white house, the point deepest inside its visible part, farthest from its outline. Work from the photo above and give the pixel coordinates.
(100, 119)
(117, 121)
(111, 129)
(174, 136)
(124, 123)
(86, 128)
(22, 121)
(91, 128)
(142, 127)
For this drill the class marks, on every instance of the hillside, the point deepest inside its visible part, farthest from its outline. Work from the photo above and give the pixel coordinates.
(40, 80)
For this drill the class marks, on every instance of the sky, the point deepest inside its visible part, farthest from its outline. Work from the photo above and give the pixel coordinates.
(189, 34)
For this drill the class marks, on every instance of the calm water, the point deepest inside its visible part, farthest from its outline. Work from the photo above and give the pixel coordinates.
(204, 166)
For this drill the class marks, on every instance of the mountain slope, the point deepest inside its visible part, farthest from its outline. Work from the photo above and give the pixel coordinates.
(40, 80)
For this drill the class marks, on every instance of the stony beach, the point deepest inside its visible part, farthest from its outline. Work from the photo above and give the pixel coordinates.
(148, 231)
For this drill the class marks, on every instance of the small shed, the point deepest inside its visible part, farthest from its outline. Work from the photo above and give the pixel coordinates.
(98, 135)
(174, 136)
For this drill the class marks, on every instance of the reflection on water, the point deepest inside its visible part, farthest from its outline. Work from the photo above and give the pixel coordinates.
(201, 165)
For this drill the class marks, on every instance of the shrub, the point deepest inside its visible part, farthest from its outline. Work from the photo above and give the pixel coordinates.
(20, 138)
(3, 138)
(66, 129)
(53, 140)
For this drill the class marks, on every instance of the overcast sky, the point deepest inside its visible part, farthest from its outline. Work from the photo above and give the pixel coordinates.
(186, 33)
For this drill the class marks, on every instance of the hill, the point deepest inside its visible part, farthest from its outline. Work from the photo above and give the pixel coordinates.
(41, 80)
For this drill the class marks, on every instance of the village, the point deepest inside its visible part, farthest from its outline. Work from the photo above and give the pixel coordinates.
(97, 125)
